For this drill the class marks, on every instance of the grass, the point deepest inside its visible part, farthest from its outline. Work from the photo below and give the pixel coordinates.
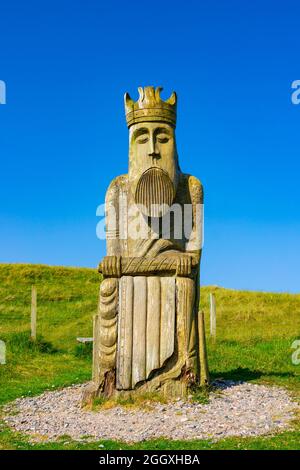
(145, 401)
(255, 332)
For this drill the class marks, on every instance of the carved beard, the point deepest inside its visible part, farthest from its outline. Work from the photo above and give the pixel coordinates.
(154, 192)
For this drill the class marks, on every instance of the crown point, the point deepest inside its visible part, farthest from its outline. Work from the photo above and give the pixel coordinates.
(141, 93)
(127, 100)
(173, 99)
(157, 93)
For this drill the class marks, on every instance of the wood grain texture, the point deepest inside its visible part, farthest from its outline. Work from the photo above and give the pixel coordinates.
(125, 333)
(139, 330)
(153, 324)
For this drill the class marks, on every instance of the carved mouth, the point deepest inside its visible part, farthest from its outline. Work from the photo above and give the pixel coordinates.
(154, 192)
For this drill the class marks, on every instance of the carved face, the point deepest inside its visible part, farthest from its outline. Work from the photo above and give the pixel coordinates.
(152, 164)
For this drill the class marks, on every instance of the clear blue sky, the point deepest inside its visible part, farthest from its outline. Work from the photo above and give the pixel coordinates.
(63, 133)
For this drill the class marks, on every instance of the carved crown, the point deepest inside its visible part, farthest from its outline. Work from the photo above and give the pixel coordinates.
(150, 107)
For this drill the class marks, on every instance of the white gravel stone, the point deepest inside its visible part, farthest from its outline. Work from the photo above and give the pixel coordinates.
(235, 409)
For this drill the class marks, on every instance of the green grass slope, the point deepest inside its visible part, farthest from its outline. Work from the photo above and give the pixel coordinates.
(255, 332)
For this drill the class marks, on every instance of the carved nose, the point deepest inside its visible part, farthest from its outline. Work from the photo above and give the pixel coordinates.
(154, 155)
(152, 147)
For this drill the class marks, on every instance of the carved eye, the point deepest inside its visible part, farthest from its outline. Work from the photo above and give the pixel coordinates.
(142, 139)
(163, 138)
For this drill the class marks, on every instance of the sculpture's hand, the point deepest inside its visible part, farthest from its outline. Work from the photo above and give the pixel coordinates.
(184, 265)
(111, 266)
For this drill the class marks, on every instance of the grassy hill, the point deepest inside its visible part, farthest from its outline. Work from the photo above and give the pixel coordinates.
(255, 331)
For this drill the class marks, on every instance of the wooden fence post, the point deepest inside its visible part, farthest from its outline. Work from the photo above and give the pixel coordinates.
(204, 371)
(213, 317)
(33, 312)
(2, 353)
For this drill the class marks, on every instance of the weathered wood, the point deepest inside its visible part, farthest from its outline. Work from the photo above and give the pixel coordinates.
(139, 330)
(96, 348)
(125, 334)
(156, 345)
(141, 265)
(213, 317)
(145, 302)
(33, 312)
(185, 296)
(167, 326)
(204, 372)
(153, 324)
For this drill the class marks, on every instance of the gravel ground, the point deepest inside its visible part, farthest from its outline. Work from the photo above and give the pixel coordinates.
(236, 409)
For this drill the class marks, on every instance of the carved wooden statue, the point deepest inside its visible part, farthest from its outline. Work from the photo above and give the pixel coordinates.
(146, 331)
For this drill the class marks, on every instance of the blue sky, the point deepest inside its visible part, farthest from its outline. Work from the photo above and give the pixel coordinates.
(63, 135)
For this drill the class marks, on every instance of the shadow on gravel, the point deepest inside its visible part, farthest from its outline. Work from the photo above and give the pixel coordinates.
(242, 374)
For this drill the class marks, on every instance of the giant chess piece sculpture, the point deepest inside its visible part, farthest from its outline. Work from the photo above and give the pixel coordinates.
(146, 330)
